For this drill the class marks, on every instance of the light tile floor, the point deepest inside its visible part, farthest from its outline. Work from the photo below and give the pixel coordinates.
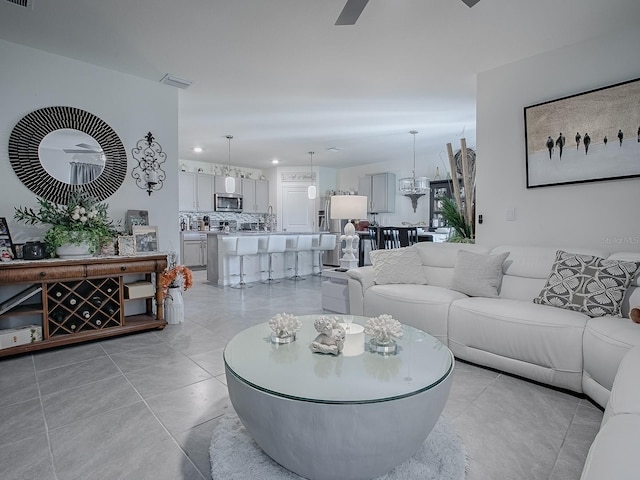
(143, 406)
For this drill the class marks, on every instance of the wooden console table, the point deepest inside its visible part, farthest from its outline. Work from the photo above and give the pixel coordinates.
(79, 300)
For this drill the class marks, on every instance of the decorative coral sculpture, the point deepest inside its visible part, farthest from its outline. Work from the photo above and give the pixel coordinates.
(331, 337)
(383, 329)
(284, 325)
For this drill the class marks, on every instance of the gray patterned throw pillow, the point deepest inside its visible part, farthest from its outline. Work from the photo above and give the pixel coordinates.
(588, 284)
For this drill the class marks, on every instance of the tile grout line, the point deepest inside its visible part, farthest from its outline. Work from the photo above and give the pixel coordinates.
(144, 401)
(44, 418)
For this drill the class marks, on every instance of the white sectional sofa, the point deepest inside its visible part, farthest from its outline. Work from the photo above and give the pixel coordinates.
(555, 346)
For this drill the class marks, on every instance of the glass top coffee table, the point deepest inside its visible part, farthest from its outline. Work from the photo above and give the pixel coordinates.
(352, 416)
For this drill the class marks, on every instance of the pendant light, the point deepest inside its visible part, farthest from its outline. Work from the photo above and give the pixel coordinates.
(229, 181)
(414, 187)
(311, 190)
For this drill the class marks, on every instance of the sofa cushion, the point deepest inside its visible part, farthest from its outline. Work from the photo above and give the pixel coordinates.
(478, 274)
(613, 453)
(606, 340)
(520, 337)
(424, 307)
(397, 265)
(588, 284)
(625, 394)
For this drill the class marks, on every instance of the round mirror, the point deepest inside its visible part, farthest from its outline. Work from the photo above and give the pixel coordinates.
(72, 129)
(71, 156)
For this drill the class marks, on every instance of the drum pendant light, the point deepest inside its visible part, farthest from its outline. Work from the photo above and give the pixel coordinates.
(229, 181)
(311, 190)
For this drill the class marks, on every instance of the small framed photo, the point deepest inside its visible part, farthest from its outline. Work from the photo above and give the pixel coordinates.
(136, 217)
(5, 239)
(126, 245)
(146, 238)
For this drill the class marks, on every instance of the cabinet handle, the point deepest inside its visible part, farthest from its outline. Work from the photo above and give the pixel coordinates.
(123, 268)
(43, 274)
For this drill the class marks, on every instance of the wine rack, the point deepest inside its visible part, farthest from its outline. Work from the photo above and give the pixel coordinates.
(83, 305)
(80, 300)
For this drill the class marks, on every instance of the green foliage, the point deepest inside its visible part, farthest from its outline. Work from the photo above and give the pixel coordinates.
(455, 219)
(81, 220)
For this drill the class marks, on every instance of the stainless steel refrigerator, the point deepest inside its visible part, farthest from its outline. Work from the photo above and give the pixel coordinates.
(331, 258)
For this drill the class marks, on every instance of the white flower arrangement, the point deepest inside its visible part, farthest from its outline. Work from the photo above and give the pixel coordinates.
(383, 328)
(285, 324)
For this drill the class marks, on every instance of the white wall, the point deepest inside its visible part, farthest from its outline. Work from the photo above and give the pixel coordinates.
(31, 79)
(600, 214)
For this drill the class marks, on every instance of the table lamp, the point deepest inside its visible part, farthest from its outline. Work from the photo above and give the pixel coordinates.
(349, 207)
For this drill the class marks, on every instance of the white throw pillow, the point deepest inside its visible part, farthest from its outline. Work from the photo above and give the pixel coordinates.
(478, 274)
(397, 265)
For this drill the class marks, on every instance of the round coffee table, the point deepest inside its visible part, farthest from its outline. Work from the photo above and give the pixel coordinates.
(326, 417)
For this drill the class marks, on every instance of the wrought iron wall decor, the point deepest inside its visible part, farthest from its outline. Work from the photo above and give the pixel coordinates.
(149, 174)
(29, 132)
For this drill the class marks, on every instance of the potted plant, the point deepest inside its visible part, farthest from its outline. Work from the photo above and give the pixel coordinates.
(173, 281)
(462, 231)
(81, 222)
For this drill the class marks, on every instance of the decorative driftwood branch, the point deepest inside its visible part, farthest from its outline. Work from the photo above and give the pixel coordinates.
(468, 181)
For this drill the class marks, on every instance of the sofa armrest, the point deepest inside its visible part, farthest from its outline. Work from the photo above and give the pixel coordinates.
(359, 280)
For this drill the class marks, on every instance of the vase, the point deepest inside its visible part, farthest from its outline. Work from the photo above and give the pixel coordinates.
(72, 250)
(383, 347)
(174, 306)
(281, 339)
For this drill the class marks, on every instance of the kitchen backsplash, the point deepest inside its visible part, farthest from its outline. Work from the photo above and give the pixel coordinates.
(257, 220)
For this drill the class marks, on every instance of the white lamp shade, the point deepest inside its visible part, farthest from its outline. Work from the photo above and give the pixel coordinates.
(353, 207)
(311, 192)
(230, 184)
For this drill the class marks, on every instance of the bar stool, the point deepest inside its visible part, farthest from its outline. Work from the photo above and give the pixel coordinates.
(297, 244)
(271, 244)
(326, 242)
(245, 246)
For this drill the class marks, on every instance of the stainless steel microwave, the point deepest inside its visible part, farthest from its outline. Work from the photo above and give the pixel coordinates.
(227, 202)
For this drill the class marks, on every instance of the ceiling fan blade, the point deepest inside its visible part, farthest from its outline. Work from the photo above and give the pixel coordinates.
(351, 12)
(470, 3)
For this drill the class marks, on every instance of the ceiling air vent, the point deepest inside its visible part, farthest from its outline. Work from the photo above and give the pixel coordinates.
(22, 3)
(174, 81)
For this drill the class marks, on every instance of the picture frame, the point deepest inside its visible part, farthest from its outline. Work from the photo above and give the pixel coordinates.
(5, 238)
(126, 245)
(135, 217)
(146, 237)
(607, 118)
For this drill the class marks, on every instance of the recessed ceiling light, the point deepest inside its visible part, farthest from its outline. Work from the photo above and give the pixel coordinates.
(275, 161)
(197, 149)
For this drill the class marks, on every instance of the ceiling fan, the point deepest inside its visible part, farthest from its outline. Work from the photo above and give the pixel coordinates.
(353, 9)
(86, 148)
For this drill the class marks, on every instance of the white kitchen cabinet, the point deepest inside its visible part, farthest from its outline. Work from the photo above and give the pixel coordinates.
(204, 194)
(380, 190)
(255, 195)
(219, 185)
(194, 250)
(195, 192)
(187, 201)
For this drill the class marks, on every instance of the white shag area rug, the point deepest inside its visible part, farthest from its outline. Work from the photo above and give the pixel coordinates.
(235, 456)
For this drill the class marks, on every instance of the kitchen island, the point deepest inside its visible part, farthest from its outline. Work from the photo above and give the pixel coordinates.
(224, 269)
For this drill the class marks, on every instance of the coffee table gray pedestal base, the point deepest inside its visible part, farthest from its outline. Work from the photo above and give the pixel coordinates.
(346, 441)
